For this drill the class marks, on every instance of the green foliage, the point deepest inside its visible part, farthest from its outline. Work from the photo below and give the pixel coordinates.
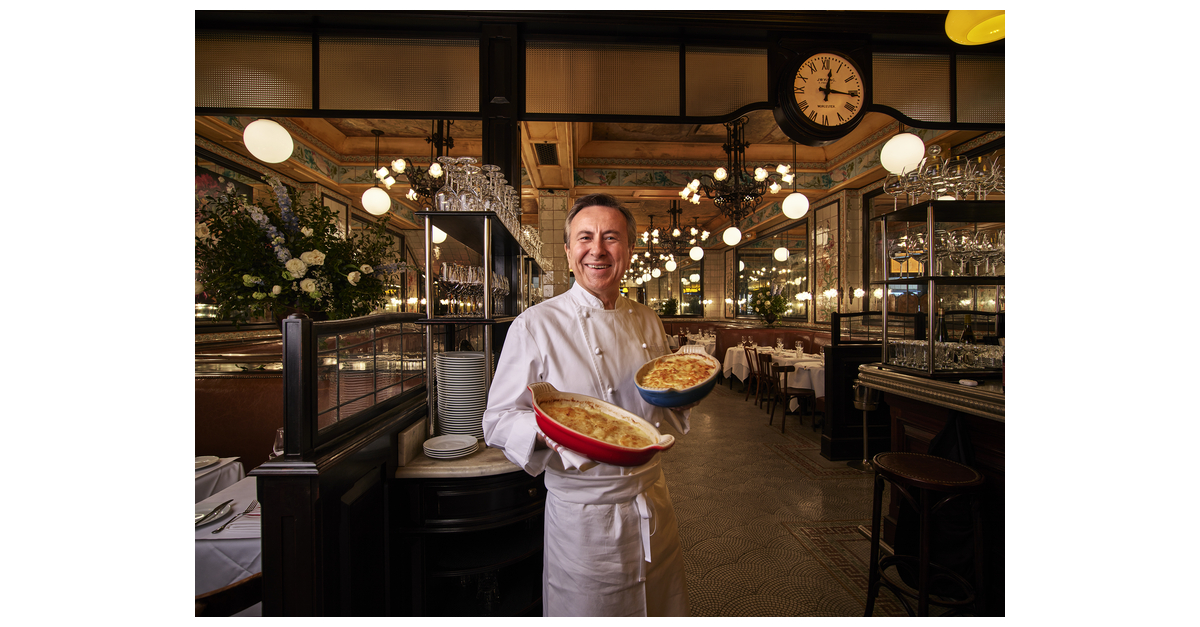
(767, 301)
(251, 259)
(668, 307)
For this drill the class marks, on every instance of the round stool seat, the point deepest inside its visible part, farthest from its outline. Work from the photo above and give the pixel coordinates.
(927, 472)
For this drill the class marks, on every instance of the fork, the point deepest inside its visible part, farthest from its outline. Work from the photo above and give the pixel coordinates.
(252, 505)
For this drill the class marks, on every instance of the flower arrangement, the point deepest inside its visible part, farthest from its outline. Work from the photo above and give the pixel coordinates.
(769, 304)
(289, 255)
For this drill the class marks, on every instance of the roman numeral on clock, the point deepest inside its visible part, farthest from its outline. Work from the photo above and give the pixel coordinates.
(803, 106)
(850, 107)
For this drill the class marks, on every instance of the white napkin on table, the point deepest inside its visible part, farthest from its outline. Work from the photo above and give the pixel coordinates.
(247, 526)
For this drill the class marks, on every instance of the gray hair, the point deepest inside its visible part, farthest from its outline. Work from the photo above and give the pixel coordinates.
(601, 200)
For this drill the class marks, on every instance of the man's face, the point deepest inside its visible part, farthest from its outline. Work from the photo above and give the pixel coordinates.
(598, 251)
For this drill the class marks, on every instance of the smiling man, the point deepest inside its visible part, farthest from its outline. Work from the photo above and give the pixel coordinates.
(611, 538)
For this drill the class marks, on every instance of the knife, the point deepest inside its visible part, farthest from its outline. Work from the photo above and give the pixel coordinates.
(209, 515)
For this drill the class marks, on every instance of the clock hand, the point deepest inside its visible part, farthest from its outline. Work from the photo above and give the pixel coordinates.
(828, 85)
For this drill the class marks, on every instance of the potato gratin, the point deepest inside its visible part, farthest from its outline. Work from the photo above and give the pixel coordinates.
(677, 371)
(596, 424)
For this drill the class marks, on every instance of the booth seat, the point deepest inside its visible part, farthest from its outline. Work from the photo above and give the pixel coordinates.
(237, 415)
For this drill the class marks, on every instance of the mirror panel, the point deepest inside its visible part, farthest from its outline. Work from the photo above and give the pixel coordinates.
(776, 260)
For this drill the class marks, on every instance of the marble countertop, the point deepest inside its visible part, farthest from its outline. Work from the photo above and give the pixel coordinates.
(482, 463)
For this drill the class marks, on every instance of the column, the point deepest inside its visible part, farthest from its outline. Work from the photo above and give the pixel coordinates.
(553, 206)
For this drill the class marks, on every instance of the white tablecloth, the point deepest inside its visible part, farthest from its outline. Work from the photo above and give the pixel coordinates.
(235, 553)
(709, 343)
(221, 475)
(810, 370)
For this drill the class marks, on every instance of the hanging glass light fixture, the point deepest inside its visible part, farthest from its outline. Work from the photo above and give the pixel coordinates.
(795, 206)
(375, 200)
(423, 183)
(268, 141)
(734, 190)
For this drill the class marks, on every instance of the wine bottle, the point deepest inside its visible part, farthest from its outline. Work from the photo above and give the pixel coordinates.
(939, 331)
(968, 336)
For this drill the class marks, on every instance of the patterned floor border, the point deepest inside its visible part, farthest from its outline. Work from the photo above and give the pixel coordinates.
(843, 549)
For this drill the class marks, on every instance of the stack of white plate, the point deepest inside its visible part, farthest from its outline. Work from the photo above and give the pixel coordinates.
(450, 446)
(461, 392)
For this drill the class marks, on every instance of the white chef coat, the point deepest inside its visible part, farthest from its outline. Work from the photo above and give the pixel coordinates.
(600, 522)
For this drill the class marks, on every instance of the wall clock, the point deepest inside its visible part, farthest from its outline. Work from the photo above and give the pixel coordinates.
(822, 96)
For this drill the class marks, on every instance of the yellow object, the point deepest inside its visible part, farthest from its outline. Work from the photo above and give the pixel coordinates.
(972, 28)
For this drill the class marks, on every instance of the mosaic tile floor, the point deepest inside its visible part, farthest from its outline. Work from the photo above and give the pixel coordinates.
(769, 527)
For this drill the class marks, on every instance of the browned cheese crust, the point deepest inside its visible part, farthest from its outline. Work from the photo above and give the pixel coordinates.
(596, 424)
(677, 371)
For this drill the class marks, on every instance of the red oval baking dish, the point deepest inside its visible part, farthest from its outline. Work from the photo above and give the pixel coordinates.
(588, 446)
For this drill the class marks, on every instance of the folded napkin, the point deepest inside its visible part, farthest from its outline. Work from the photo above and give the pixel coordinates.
(247, 526)
(570, 459)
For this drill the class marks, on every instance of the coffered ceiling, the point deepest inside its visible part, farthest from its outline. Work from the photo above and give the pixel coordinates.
(644, 165)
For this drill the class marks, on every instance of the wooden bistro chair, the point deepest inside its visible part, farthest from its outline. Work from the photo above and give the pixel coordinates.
(753, 377)
(785, 393)
(767, 384)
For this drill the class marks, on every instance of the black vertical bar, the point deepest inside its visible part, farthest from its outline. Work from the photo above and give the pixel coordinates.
(683, 79)
(316, 70)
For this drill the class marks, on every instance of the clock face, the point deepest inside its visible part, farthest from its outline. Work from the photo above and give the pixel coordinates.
(828, 90)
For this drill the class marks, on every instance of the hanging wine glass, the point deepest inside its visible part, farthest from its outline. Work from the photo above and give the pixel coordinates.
(954, 174)
(917, 248)
(492, 176)
(981, 176)
(446, 199)
(893, 185)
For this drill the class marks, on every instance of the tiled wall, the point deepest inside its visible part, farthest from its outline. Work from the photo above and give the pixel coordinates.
(552, 213)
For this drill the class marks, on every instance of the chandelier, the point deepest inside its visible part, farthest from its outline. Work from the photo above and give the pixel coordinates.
(734, 190)
(679, 241)
(423, 183)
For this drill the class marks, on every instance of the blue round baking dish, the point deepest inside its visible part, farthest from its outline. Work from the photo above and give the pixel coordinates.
(672, 397)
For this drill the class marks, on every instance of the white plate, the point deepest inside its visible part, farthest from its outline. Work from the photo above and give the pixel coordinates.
(206, 461)
(201, 510)
(448, 443)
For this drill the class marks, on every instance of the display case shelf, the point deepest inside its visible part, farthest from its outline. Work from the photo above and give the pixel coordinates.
(916, 273)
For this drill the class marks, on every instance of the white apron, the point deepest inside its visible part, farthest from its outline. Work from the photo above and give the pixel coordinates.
(600, 522)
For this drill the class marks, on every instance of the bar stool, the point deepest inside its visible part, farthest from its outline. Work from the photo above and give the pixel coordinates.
(927, 483)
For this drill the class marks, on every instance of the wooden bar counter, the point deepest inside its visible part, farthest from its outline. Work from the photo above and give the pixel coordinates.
(921, 409)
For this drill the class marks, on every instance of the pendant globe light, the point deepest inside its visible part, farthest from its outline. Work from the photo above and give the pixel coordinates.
(795, 206)
(375, 200)
(902, 153)
(268, 141)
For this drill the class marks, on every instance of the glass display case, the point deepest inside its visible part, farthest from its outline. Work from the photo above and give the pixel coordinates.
(484, 296)
(944, 259)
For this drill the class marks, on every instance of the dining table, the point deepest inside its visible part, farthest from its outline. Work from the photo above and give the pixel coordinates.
(708, 342)
(214, 474)
(809, 373)
(236, 552)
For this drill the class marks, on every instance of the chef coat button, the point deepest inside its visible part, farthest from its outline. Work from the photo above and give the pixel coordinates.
(585, 314)
(656, 425)
(630, 311)
(643, 345)
(597, 351)
(610, 391)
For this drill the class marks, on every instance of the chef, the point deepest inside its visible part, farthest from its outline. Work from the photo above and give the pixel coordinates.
(611, 539)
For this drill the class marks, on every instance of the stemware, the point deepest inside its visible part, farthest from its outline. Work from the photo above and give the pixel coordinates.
(981, 176)
(917, 248)
(277, 447)
(954, 175)
(446, 199)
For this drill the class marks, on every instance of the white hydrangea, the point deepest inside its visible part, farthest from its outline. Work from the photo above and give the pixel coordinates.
(353, 277)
